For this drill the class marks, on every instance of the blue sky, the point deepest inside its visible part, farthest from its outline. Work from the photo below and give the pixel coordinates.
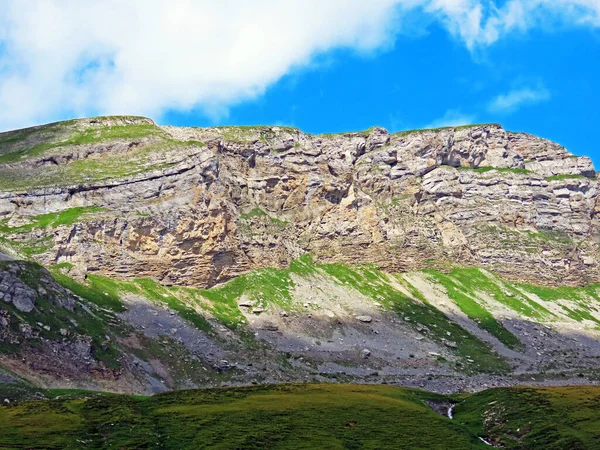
(435, 81)
(342, 65)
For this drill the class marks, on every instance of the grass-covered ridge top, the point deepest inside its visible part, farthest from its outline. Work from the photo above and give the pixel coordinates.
(119, 147)
(409, 132)
(455, 128)
(19, 145)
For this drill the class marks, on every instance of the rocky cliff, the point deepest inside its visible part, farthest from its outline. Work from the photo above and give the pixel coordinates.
(180, 257)
(196, 207)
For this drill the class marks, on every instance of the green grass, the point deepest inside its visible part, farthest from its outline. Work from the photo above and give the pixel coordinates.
(97, 319)
(332, 416)
(257, 212)
(528, 240)
(106, 293)
(248, 134)
(565, 177)
(472, 308)
(497, 169)
(268, 287)
(254, 212)
(63, 134)
(272, 288)
(542, 418)
(150, 157)
(154, 291)
(472, 281)
(98, 290)
(375, 284)
(583, 297)
(457, 128)
(285, 416)
(53, 220)
(151, 153)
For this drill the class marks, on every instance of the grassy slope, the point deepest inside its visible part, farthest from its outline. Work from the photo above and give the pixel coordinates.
(51, 220)
(272, 288)
(30, 246)
(302, 417)
(28, 143)
(285, 416)
(93, 319)
(31, 143)
(541, 418)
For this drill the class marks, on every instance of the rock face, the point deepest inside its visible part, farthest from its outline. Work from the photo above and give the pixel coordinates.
(196, 207)
(14, 290)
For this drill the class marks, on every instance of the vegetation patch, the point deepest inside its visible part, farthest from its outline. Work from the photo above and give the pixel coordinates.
(565, 177)
(471, 307)
(52, 220)
(267, 287)
(580, 296)
(302, 416)
(457, 128)
(66, 135)
(416, 311)
(90, 318)
(284, 416)
(148, 150)
(526, 418)
(473, 281)
(516, 170)
(254, 212)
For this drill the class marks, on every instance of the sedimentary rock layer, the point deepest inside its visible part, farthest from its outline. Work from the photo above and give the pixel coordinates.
(196, 207)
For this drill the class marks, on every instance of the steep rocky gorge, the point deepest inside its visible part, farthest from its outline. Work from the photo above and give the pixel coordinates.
(181, 257)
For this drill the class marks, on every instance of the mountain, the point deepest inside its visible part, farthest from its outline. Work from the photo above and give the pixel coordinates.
(140, 258)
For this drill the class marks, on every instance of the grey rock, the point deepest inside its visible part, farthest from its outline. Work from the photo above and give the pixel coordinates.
(368, 189)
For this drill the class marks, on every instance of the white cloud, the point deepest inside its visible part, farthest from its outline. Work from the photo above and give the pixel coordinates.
(513, 100)
(82, 57)
(452, 118)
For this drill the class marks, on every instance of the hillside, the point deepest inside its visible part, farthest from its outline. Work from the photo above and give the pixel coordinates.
(140, 259)
(303, 417)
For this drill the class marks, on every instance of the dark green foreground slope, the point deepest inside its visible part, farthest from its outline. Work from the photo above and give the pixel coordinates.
(302, 417)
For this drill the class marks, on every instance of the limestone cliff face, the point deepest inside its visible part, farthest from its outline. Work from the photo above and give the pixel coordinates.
(193, 206)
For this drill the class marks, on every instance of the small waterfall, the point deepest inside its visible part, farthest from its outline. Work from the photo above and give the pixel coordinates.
(451, 411)
(486, 442)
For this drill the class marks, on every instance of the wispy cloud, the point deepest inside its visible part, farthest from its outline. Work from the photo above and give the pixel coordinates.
(515, 99)
(452, 118)
(84, 57)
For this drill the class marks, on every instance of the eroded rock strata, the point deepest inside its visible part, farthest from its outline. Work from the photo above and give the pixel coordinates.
(209, 204)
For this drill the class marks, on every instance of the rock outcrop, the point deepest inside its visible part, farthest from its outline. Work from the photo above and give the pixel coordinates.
(196, 207)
